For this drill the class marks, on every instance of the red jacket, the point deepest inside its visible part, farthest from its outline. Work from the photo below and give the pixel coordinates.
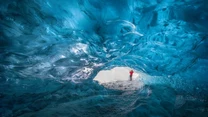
(131, 72)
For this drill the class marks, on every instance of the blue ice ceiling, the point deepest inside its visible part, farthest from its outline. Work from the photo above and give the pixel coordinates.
(72, 40)
(62, 38)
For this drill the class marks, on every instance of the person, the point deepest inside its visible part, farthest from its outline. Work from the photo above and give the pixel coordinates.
(131, 74)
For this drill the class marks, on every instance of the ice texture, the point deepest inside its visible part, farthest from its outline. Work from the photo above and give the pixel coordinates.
(50, 51)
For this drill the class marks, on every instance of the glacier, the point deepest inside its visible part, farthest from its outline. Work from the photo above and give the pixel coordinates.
(51, 50)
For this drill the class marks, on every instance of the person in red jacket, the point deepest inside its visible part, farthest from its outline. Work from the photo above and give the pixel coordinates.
(131, 74)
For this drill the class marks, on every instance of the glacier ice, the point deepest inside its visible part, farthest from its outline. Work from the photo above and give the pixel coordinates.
(51, 50)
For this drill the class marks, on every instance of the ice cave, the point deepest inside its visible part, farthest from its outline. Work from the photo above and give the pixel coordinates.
(72, 58)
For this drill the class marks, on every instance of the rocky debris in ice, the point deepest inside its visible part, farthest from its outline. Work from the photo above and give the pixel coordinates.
(124, 85)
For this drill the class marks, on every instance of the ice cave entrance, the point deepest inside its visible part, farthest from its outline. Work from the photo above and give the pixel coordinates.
(118, 78)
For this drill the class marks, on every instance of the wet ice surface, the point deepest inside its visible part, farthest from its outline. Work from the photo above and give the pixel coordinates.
(50, 52)
(118, 98)
(114, 100)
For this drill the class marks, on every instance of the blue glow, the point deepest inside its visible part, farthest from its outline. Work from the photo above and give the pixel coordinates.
(50, 51)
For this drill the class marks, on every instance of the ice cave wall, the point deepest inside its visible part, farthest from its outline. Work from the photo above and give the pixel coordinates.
(73, 39)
